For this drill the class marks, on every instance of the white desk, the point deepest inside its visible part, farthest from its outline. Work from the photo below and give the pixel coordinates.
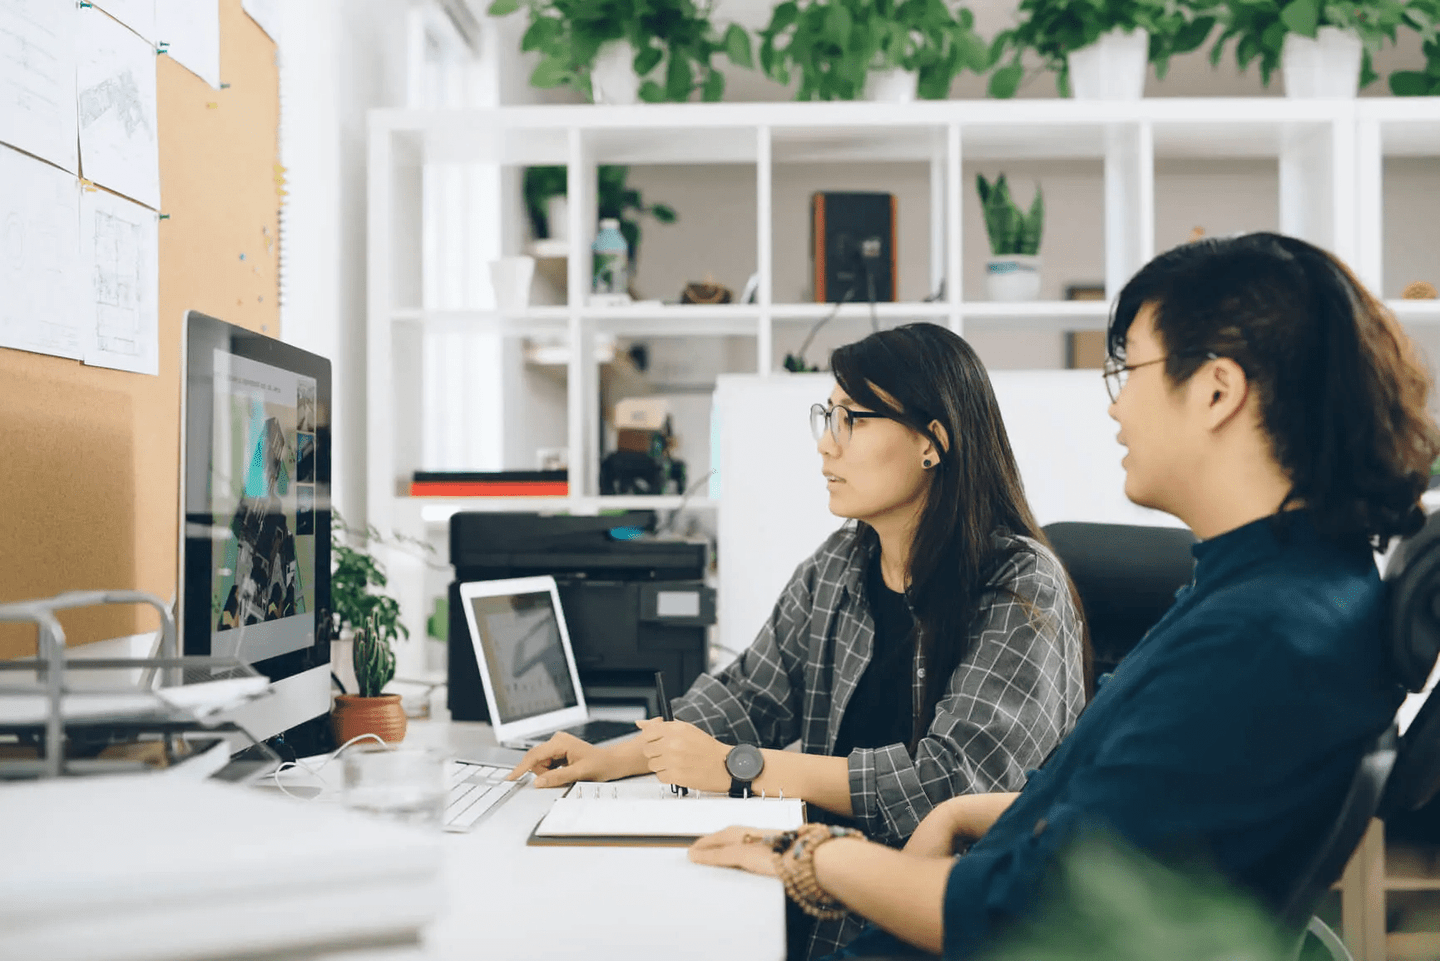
(507, 900)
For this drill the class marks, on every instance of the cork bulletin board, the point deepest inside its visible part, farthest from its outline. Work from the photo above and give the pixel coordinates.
(89, 457)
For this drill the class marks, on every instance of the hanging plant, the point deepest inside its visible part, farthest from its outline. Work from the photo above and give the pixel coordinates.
(568, 35)
(1053, 29)
(834, 44)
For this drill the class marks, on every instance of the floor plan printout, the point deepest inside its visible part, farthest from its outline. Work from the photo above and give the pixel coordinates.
(120, 252)
(119, 148)
(37, 79)
(40, 274)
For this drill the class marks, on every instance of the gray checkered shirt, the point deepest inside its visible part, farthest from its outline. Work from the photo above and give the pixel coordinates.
(1013, 697)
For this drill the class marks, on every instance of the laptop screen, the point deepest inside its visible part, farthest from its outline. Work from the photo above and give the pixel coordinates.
(524, 654)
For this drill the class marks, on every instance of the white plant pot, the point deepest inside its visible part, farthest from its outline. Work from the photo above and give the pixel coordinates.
(557, 215)
(510, 277)
(1328, 66)
(891, 86)
(1012, 277)
(1111, 68)
(612, 79)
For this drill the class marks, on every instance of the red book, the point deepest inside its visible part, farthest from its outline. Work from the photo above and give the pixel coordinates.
(497, 484)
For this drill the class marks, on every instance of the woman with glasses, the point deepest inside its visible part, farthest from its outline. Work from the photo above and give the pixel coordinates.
(1266, 399)
(930, 647)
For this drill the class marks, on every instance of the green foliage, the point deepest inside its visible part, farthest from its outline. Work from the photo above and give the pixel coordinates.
(1424, 17)
(374, 659)
(1055, 28)
(1011, 230)
(355, 601)
(614, 198)
(568, 35)
(1258, 28)
(834, 44)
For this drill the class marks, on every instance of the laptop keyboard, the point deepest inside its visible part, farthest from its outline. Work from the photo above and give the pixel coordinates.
(475, 789)
(594, 732)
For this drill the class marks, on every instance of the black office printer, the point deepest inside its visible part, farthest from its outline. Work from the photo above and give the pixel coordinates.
(634, 604)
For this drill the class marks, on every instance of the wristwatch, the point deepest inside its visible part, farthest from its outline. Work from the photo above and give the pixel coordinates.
(744, 762)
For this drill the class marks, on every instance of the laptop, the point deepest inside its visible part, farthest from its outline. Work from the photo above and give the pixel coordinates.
(527, 666)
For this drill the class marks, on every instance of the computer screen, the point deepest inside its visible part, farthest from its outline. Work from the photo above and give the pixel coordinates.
(524, 654)
(255, 490)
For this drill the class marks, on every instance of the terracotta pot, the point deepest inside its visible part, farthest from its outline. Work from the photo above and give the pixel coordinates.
(354, 715)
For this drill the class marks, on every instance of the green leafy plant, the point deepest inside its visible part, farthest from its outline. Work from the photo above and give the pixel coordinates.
(374, 659)
(568, 35)
(834, 44)
(1011, 230)
(1053, 29)
(355, 582)
(614, 198)
(1259, 27)
(1423, 16)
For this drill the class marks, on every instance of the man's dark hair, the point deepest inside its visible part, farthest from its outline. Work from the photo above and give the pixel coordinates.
(1342, 394)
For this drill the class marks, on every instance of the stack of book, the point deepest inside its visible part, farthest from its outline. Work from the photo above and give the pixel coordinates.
(510, 483)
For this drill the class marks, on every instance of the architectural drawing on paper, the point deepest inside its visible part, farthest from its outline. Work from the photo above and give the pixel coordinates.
(122, 96)
(119, 272)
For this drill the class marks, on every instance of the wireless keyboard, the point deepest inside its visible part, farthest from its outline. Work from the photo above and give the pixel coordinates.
(475, 789)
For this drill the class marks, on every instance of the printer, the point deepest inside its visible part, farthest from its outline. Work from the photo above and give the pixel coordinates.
(634, 603)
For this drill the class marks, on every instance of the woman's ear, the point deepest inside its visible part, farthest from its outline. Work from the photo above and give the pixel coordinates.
(938, 430)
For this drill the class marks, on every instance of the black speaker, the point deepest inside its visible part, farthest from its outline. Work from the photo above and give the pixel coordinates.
(852, 247)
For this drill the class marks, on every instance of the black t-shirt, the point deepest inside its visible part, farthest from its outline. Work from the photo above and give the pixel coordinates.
(881, 711)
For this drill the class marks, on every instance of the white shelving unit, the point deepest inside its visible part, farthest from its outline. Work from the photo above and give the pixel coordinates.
(1329, 155)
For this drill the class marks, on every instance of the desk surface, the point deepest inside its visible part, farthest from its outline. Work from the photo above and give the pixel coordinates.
(508, 900)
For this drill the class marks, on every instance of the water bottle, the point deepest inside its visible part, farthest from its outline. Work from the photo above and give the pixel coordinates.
(611, 260)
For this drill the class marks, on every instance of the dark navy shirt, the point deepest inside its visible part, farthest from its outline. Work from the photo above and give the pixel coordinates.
(1232, 729)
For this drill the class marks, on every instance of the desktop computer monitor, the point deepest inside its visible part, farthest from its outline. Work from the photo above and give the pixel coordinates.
(255, 516)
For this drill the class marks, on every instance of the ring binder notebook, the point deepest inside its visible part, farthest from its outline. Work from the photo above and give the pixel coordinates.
(643, 812)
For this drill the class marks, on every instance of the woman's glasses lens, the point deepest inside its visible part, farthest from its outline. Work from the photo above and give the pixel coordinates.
(836, 419)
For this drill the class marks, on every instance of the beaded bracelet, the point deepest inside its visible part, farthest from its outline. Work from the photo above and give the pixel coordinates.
(796, 867)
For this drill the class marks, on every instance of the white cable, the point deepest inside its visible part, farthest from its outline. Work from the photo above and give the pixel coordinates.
(315, 771)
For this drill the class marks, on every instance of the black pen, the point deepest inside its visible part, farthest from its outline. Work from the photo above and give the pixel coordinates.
(666, 715)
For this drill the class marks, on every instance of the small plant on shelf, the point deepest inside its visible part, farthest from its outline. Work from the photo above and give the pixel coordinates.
(569, 35)
(833, 45)
(614, 198)
(1259, 29)
(1054, 29)
(1011, 230)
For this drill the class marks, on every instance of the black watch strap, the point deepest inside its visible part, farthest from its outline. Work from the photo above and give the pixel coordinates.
(739, 787)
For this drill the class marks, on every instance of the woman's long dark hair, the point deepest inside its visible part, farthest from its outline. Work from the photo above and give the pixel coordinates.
(933, 375)
(1342, 394)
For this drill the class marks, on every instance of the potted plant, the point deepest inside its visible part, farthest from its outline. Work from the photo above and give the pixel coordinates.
(606, 49)
(372, 619)
(614, 198)
(1013, 270)
(1324, 47)
(1424, 17)
(1107, 40)
(892, 49)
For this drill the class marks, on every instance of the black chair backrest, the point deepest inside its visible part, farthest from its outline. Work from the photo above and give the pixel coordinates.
(1397, 773)
(1126, 575)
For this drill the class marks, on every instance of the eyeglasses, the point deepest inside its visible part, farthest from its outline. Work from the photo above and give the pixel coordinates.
(1116, 373)
(840, 421)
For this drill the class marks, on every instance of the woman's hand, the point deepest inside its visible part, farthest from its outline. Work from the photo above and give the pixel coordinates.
(745, 848)
(937, 834)
(680, 753)
(565, 758)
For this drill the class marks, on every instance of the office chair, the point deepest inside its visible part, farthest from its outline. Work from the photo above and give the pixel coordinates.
(1126, 575)
(1398, 773)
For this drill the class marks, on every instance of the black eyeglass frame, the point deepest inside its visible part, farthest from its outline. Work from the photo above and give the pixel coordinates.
(1116, 374)
(822, 417)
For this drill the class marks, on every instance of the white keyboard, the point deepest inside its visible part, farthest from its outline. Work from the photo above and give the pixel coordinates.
(474, 791)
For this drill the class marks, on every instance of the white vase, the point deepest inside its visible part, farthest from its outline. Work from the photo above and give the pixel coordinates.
(612, 78)
(891, 86)
(1328, 66)
(1111, 68)
(557, 217)
(510, 277)
(1012, 277)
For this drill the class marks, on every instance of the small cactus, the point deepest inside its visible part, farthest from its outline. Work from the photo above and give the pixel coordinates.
(374, 660)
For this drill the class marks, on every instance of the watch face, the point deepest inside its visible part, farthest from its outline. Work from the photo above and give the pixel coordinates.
(745, 762)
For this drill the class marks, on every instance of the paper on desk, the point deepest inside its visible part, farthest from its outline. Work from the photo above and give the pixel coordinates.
(186, 701)
(120, 252)
(138, 15)
(37, 79)
(119, 148)
(40, 267)
(190, 30)
(601, 811)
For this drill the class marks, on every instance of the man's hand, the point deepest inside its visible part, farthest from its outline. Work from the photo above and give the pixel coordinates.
(680, 753)
(565, 758)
